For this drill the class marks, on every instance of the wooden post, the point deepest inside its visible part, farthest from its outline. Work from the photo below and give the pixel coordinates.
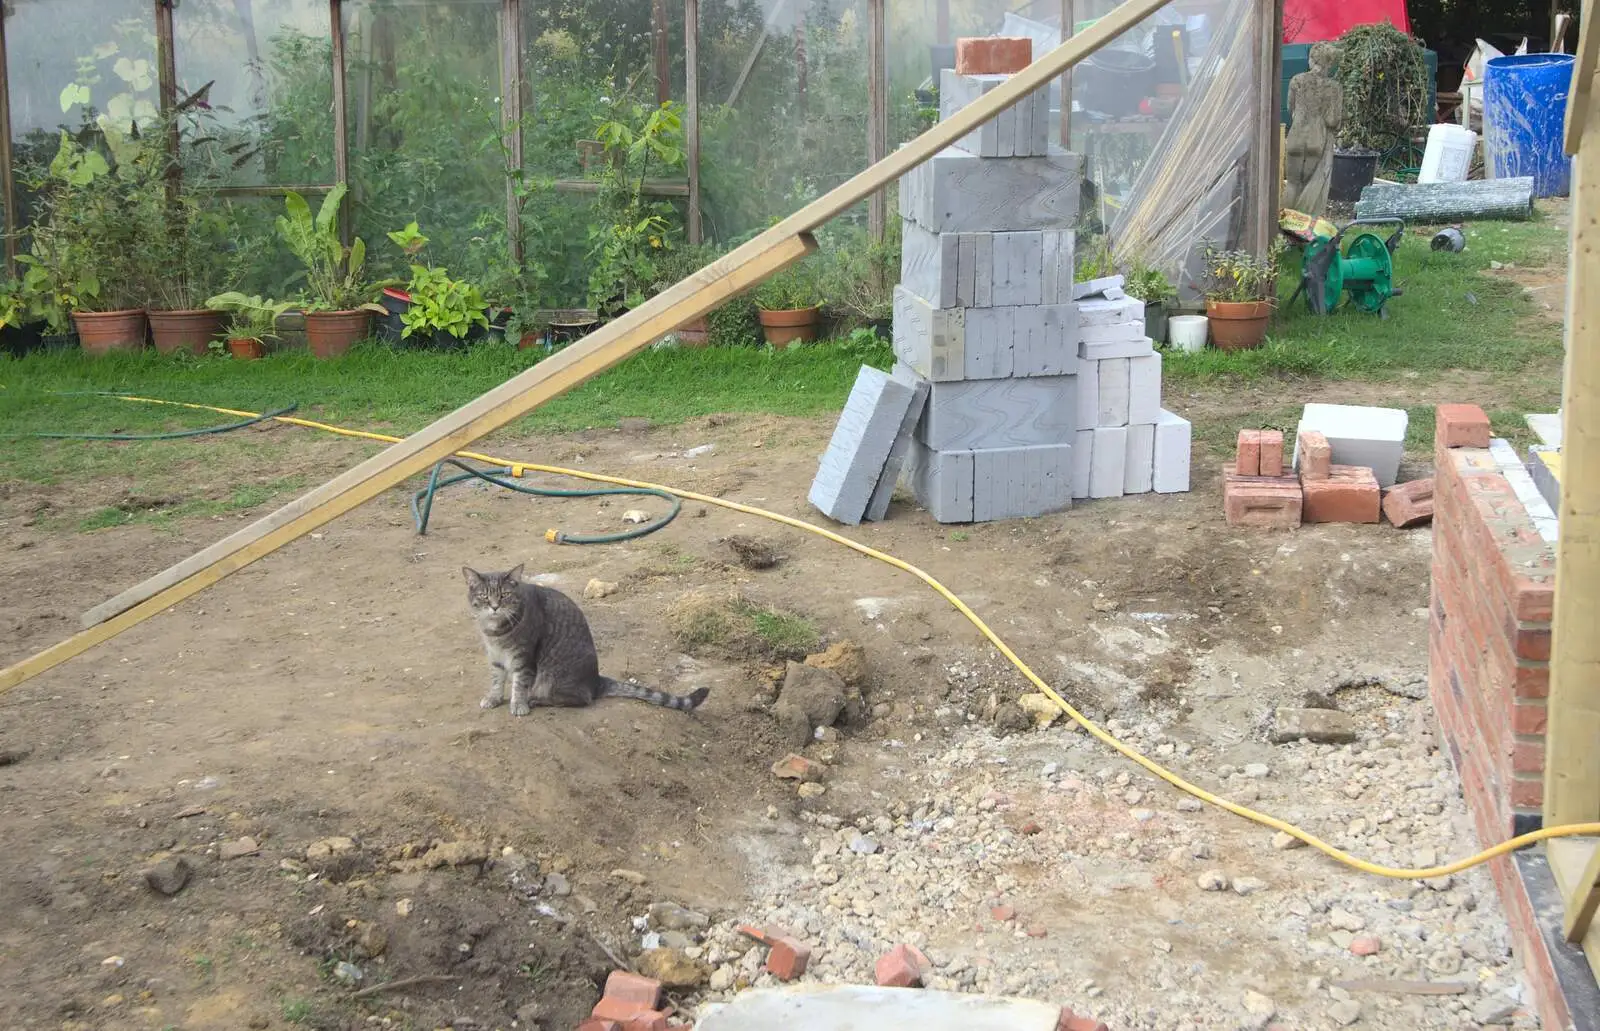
(691, 110)
(8, 186)
(877, 113)
(663, 60)
(1572, 758)
(511, 119)
(1069, 18)
(167, 89)
(734, 273)
(1261, 217)
(341, 138)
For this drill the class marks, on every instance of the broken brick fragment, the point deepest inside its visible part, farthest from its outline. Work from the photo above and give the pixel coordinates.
(643, 993)
(1316, 455)
(599, 1024)
(1070, 1021)
(788, 958)
(1409, 504)
(1002, 913)
(797, 767)
(903, 966)
(1349, 495)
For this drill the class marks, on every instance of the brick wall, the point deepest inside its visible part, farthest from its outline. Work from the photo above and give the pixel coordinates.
(1489, 639)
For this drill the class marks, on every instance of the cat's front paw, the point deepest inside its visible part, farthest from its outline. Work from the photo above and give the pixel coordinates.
(520, 709)
(491, 701)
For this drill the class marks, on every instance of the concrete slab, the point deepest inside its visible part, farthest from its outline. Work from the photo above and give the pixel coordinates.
(1102, 311)
(994, 413)
(1132, 347)
(1022, 482)
(860, 446)
(1097, 286)
(1173, 434)
(957, 192)
(878, 506)
(1359, 435)
(865, 1008)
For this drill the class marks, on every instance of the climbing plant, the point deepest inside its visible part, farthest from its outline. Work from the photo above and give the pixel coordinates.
(1385, 82)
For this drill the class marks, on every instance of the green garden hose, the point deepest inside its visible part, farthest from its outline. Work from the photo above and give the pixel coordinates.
(422, 501)
(174, 435)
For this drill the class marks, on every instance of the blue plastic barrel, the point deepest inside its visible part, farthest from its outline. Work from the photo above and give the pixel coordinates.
(1524, 111)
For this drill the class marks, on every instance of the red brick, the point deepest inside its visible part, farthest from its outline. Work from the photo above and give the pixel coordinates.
(1529, 718)
(993, 55)
(788, 958)
(1535, 601)
(1316, 455)
(796, 767)
(757, 934)
(1348, 495)
(1532, 680)
(599, 1024)
(1271, 452)
(619, 1010)
(649, 1020)
(1038, 931)
(1458, 425)
(1265, 501)
(1527, 794)
(1409, 504)
(1247, 456)
(642, 992)
(1366, 945)
(902, 967)
(1532, 643)
(1528, 757)
(1004, 914)
(1070, 1021)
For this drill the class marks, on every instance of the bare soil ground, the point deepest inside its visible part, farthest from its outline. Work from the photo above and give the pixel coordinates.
(331, 691)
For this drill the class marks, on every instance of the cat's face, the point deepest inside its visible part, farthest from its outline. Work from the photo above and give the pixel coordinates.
(494, 599)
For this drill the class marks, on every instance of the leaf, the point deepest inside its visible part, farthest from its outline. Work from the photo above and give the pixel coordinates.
(74, 93)
(330, 207)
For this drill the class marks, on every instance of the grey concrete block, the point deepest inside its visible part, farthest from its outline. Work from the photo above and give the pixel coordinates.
(931, 341)
(1019, 131)
(1082, 291)
(1022, 482)
(1082, 463)
(929, 265)
(956, 192)
(983, 269)
(1097, 351)
(1113, 393)
(968, 270)
(1018, 268)
(941, 481)
(1115, 333)
(1144, 389)
(1060, 254)
(1138, 465)
(861, 442)
(966, 265)
(1107, 464)
(1088, 395)
(1171, 470)
(878, 505)
(1100, 311)
(1359, 435)
(995, 413)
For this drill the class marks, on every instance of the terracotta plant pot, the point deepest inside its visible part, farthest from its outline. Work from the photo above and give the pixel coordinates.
(1238, 325)
(784, 327)
(101, 332)
(331, 333)
(694, 334)
(246, 348)
(189, 330)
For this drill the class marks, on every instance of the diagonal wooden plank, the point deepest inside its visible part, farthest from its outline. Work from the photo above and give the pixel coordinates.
(1584, 899)
(1583, 72)
(735, 272)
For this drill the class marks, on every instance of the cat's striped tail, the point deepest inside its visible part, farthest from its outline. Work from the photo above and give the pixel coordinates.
(687, 703)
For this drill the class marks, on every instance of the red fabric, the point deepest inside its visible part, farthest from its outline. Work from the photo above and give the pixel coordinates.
(1311, 21)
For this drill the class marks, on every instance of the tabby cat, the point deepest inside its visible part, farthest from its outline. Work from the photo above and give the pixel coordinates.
(538, 639)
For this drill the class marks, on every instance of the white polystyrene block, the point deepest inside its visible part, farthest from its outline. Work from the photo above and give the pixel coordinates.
(1171, 473)
(1107, 464)
(1113, 392)
(1144, 389)
(1359, 435)
(1138, 465)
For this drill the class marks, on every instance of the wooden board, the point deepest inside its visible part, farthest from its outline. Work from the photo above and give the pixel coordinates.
(1583, 72)
(1573, 866)
(739, 270)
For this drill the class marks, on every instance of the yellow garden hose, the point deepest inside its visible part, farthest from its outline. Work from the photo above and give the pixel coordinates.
(1100, 734)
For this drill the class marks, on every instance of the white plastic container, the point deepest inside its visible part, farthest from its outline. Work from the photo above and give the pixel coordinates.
(1448, 154)
(1188, 332)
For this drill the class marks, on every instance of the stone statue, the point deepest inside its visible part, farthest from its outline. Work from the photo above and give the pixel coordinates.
(1316, 110)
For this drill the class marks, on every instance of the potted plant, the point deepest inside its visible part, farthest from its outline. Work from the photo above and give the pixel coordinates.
(1151, 286)
(339, 302)
(44, 308)
(676, 265)
(1240, 291)
(437, 306)
(789, 305)
(194, 266)
(1384, 78)
(251, 321)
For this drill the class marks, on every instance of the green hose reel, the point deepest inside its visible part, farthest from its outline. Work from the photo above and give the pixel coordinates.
(1359, 263)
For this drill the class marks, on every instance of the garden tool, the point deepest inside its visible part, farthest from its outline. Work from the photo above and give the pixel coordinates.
(1354, 260)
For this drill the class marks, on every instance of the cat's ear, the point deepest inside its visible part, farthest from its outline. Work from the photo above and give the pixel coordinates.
(515, 576)
(474, 578)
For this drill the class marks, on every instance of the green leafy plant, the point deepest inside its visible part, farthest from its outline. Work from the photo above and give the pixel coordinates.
(249, 317)
(857, 276)
(795, 287)
(634, 231)
(1149, 285)
(438, 302)
(334, 273)
(1095, 259)
(1384, 77)
(1241, 277)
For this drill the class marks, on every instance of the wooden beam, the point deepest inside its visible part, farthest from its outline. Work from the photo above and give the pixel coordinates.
(8, 186)
(1583, 901)
(1274, 126)
(877, 112)
(511, 118)
(1572, 760)
(1583, 72)
(691, 110)
(1262, 193)
(1069, 18)
(341, 128)
(167, 94)
(737, 271)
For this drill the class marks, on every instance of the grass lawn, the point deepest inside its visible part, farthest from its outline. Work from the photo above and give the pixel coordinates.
(1453, 319)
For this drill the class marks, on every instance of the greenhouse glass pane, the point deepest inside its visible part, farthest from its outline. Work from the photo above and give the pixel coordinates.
(263, 71)
(423, 100)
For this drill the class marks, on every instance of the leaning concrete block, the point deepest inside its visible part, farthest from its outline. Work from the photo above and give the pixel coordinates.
(932, 341)
(1144, 389)
(930, 264)
(878, 505)
(1022, 482)
(941, 481)
(1020, 131)
(1088, 395)
(860, 446)
(1113, 392)
(1133, 348)
(991, 413)
(1138, 467)
(1096, 286)
(1082, 463)
(956, 192)
(1108, 463)
(1171, 474)
(1358, 435)
(1100, 311)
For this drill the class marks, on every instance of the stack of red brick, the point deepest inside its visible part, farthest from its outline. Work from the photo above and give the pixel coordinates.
(1258, 491)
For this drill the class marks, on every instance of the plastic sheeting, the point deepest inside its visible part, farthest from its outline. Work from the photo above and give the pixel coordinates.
(1311, 21)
